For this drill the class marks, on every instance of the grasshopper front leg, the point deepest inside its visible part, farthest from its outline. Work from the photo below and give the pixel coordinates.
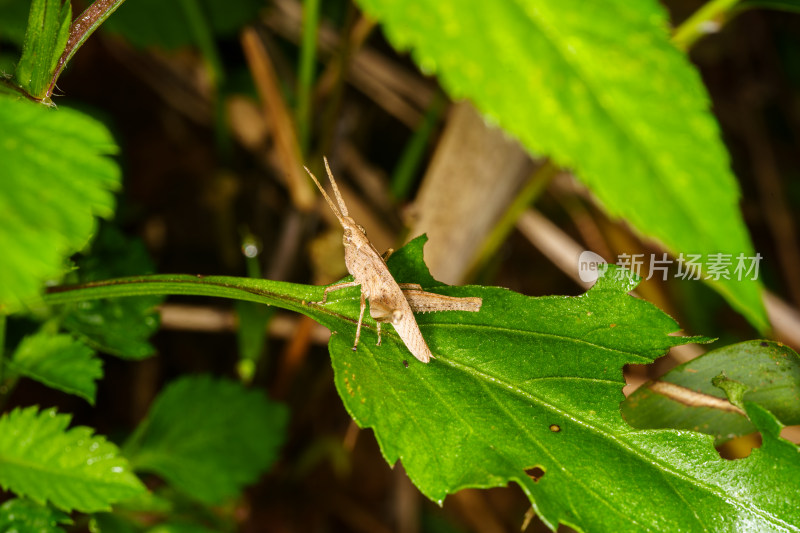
(345, 285)
(336, 287)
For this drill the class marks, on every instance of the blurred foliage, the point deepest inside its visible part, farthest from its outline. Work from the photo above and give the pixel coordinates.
(770, 370)
(599, 89)
(119, 327)
(157, 23)
(13, 21)
(19, 515)
(208, 437)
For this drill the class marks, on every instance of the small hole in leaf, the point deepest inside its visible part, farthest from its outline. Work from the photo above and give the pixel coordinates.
(555, 428)
(535, 473)
(739, 447)
(405, 363)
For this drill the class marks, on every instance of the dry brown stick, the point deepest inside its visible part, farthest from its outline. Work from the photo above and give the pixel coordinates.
(214, 320)
(279, 120)
(473, 177)
(693, 398)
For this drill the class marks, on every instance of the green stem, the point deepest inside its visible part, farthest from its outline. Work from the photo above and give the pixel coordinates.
(2, 348)
(290, 296)
(410, 160)
(287, 295)
(83, 27)
(535, 186)
(696, 26)
(204, 39)
(308, 56)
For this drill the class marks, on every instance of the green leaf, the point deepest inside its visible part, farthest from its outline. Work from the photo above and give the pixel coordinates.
(60, 362)
(526, 390)
(24, 516)
(158, 23)
(56, 179)
(769, 369)
(599, 88)
(73, 469)
(119, 327)
(733, 389)
(45, 40)
(208, 437)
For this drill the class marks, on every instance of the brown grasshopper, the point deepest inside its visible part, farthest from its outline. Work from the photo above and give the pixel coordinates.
(388, 300)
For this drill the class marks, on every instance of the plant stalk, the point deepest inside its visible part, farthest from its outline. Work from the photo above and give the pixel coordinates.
(83, 27)
(3, 320)
(707, 19)
(308, 56)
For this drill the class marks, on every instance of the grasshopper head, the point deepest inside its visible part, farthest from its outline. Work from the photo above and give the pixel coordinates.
(353, 231)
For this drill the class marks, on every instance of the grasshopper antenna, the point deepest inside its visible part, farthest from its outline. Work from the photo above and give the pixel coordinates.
(327, 198)
(335, 188)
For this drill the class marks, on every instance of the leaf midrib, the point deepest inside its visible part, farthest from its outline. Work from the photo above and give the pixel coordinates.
(611, 114)
(616, 439)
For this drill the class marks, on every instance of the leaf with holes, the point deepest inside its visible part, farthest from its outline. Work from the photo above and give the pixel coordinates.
(528, 390)
(73, 469)
(599, 88)
(770, 370)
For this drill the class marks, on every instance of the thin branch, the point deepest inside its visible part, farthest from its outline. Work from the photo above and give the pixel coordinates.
(708, 19)
(280, 121)
(693, 398)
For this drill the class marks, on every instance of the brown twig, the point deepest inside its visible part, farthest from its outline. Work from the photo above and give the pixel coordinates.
(693, 398)
(214, 320)
(279, 120)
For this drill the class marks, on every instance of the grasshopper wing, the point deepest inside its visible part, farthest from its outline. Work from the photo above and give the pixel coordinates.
(409, 331)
